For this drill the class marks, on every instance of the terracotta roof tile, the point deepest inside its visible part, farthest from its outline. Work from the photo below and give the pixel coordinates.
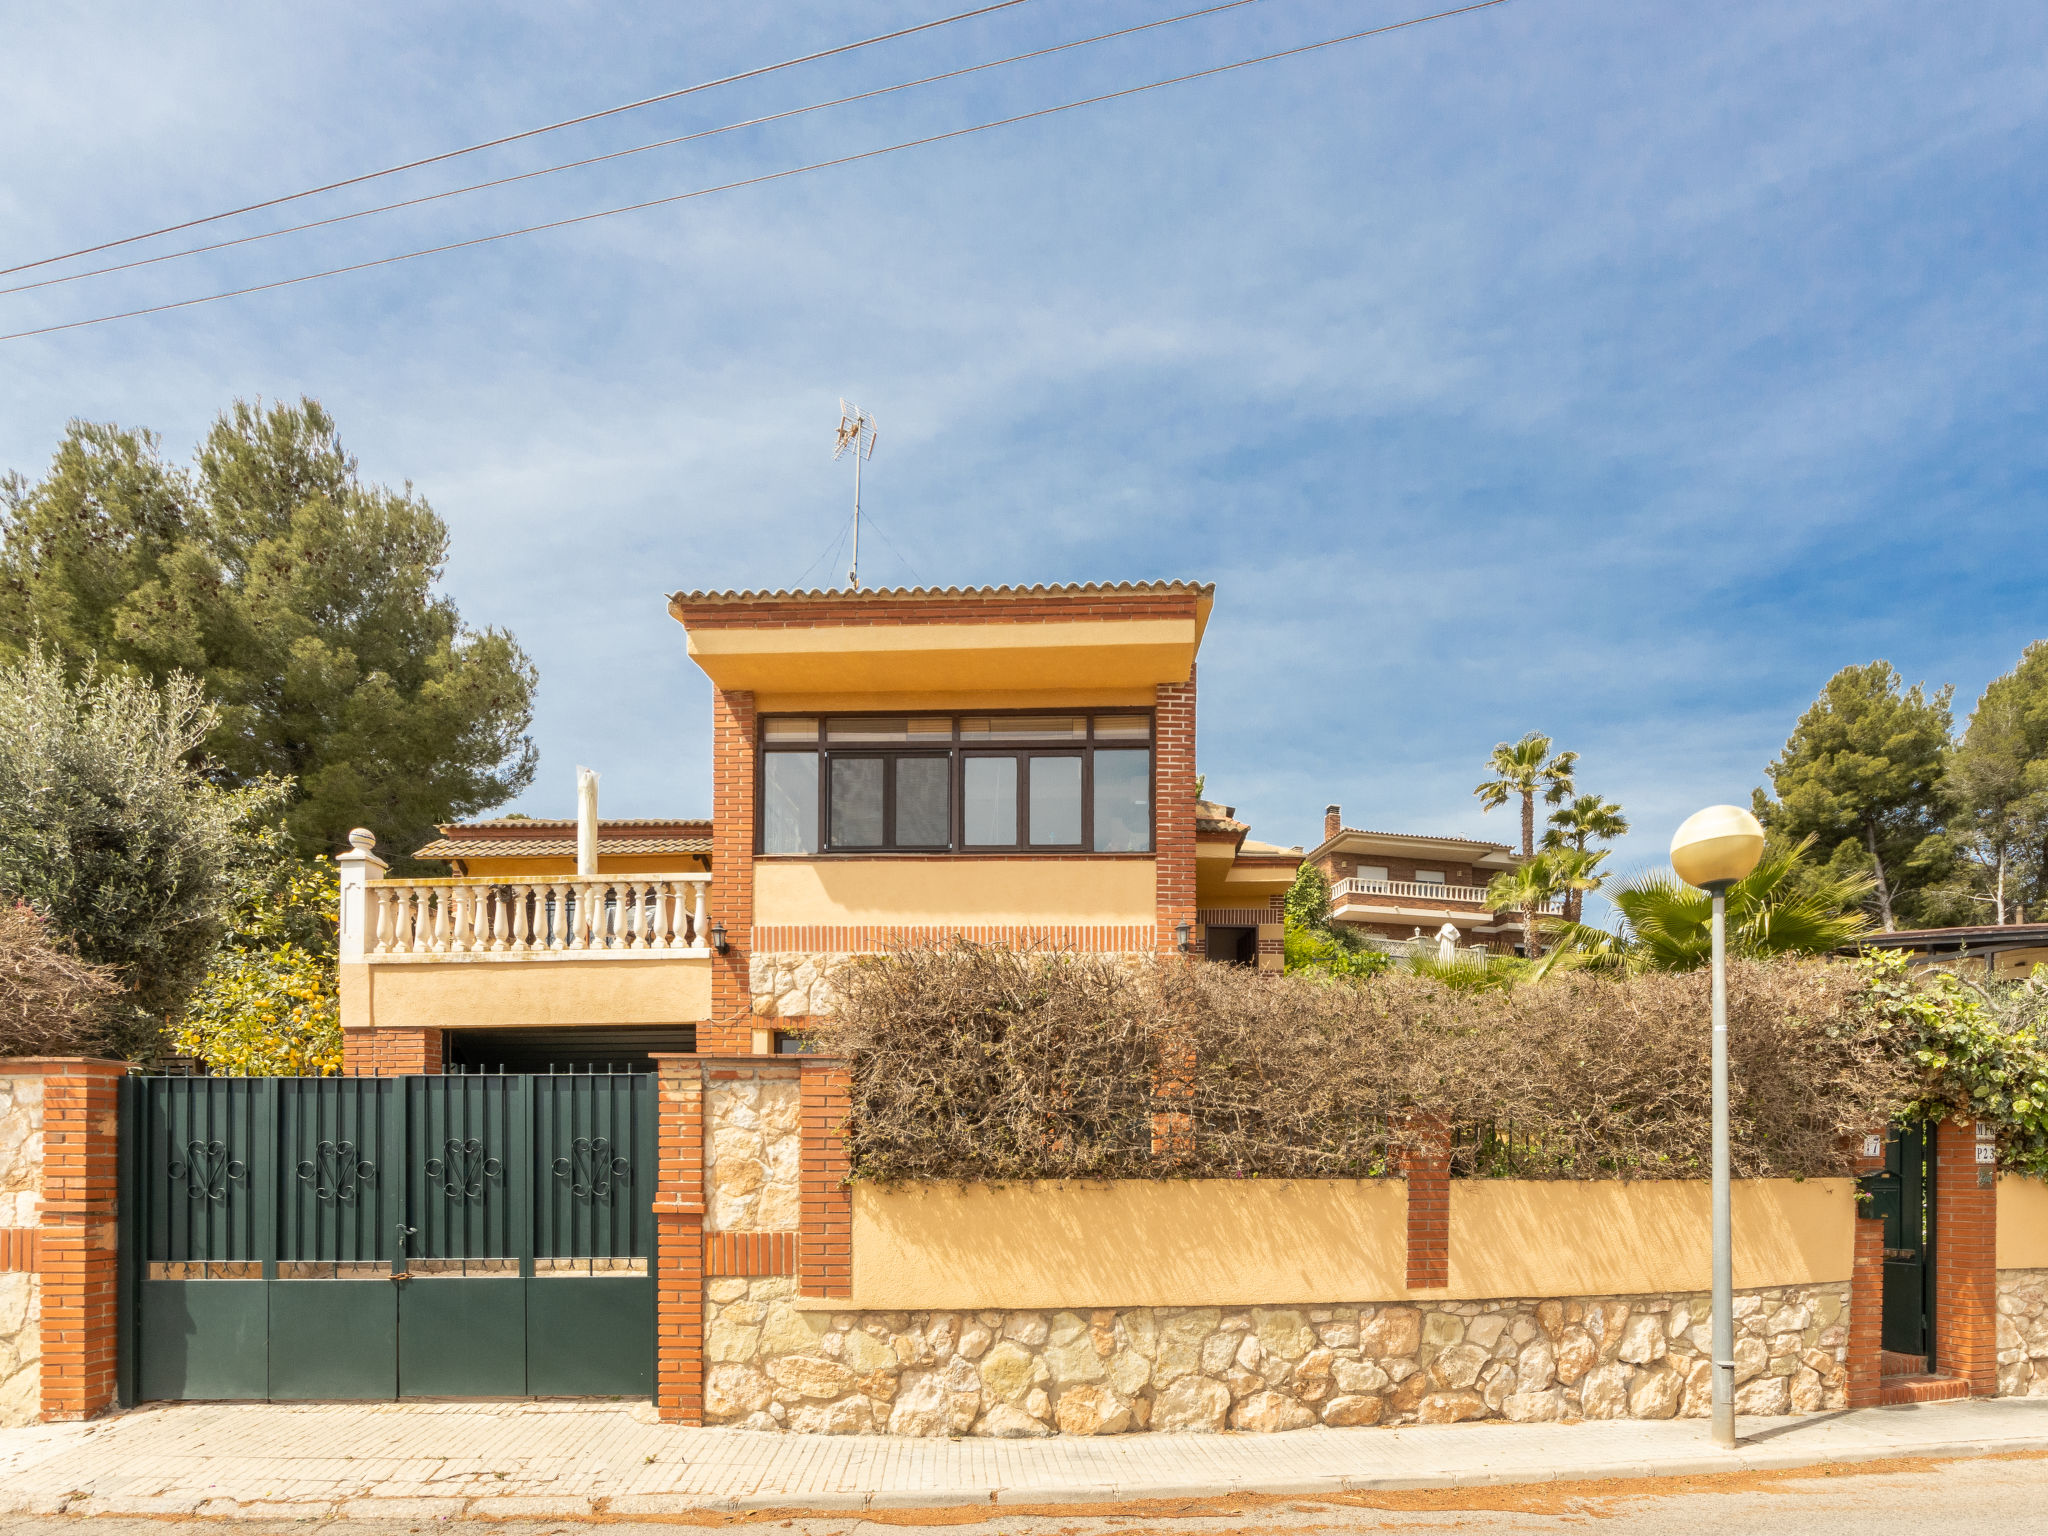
(941, 594)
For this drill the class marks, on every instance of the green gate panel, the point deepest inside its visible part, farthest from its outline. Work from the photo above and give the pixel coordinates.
(203, 1339)
(333, 1339)
(590, 1336)
(462, 1336)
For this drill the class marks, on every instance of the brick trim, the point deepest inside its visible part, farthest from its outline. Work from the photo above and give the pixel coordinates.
(391, 1052)
(1865, 1363)
(77, 1242)
(1965, 1260)
(20, 1250)
(1173, 809)
(679, 1241)
(785, 938)
(1426, 1164)
(750, 1253)
(825, 1265)
(730, 1027)
(1233, 917)
(881, 610)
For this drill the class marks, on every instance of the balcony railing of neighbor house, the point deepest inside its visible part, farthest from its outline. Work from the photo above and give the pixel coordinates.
(1426, 949)
(1429, 890)
(611, 914)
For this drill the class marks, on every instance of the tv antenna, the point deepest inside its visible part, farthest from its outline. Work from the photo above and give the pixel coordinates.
(857, 433)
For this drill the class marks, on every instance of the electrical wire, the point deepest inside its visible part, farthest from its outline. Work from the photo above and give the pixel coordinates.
(514, 138)
(766, 177)
(830, 553)
(621, 154)
(915, 574)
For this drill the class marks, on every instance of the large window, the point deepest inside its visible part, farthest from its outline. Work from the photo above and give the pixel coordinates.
(1049, 783)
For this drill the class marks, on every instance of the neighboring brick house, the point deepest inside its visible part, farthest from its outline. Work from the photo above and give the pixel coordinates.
(1404, 885)
(1015, 765)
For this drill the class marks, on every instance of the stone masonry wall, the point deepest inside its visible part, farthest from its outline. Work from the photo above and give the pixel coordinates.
(2023, 1333)
(790, 986)
(21, 1294)
(752, 1151)
(769, 1365)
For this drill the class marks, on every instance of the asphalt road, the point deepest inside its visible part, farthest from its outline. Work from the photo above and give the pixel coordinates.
(1902, 1498)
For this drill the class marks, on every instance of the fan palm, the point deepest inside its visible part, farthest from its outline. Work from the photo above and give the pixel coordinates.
(1526, 769)
(1586, 819)
(1525, 889)
(1785, 906)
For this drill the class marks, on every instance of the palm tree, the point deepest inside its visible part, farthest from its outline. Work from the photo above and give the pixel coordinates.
(1574, 871)
(1527, 769)
(1588, 817)
(1525, 889)
(1786, 906)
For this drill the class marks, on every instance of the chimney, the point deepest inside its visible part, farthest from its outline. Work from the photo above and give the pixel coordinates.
(586, 823)
(1333, 821)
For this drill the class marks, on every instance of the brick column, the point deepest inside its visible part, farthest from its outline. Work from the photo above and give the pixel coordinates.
(1865, 1361)
(1426, 1163)
(391, 1052)
(679, 1243)
(79, 1237)
(1965, 1260)
(729, 1030)
(825, 1257)
(1173, 799)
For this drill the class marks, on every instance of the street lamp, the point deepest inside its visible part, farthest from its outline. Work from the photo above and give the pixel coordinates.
(1712, 850)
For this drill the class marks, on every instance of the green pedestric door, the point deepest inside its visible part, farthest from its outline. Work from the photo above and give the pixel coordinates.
(359, 1238)
(1903, 1194)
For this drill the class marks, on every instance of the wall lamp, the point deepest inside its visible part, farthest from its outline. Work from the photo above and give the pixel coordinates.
(718, 938)
(1184, 937)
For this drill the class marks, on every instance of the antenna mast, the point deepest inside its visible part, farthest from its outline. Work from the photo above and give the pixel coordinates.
(856, 432)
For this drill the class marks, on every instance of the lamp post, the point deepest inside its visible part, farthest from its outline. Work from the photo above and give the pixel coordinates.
(1713, 849)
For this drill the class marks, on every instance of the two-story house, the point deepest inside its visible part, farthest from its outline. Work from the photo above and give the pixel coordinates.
(1395, 886)
(1013, 765)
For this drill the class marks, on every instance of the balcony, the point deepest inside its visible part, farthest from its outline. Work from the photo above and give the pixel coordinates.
(627, 916)
(1432, 893)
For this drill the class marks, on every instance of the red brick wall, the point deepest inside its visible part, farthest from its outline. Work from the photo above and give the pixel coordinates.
(1426, 1161)
(390, 1052)
(784, 938)
(1965, 1261)
(730, 1028)
(1173, 800)
(679, 1243)
(78, 1237)
(825, 1266)
(750, 1253)
(1865, 1364)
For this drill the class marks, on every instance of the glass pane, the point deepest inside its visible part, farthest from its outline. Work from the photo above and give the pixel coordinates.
(1024, 728)
(789, 814)
(1055, 801)
(789, 730)
(856, 802)
(924, 792)
(1123, 728)
(866, 730)
(1123, 801)
(989, 801)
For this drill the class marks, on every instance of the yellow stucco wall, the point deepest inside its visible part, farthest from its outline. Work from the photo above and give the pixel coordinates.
(464, 992)
(2022, 1223)
(1542, 1237)
(1233, 1243)
(813, 702)
(1131, 1243)
(954, 891)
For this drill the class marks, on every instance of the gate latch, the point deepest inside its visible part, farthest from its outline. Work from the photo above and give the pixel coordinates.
(400, 1276)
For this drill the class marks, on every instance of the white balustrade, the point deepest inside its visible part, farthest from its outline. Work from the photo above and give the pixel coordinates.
(479, 915)
(1427, 890)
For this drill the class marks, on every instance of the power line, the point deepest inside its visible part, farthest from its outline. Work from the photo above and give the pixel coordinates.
(754, 181)
(513, 138)
(621, 154)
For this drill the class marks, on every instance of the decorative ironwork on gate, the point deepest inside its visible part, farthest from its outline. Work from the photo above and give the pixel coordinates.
(206, 1170)
(591, 1167)
(333, 1169)
(462, 1168)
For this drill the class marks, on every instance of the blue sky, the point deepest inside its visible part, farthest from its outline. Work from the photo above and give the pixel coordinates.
(1617, 371)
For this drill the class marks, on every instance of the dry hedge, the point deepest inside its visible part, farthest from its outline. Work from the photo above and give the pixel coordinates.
(984, 1064)
(51, 1002)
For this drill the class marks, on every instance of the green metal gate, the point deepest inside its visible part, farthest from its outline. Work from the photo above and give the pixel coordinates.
(1903, 1194)
(459, 1236)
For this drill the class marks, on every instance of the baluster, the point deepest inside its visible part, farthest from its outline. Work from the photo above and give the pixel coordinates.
(557, 916)
(700, 930)
(646, 914)
(434, 919)
(611, 916)
(522, 918)
(579, 927)
(380, 929)
(659, 897)
(501, 918)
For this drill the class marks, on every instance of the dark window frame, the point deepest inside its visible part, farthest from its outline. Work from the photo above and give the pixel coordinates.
(957, 751)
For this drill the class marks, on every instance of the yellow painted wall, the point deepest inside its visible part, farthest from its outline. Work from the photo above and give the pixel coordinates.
(1542, 1237)
(1132, 1243)
(954, 891)
(955, 702)
(2022, 1223)
(472, 992)
(1242, 1243)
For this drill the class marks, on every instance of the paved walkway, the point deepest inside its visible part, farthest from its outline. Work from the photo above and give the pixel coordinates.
(553, 1460)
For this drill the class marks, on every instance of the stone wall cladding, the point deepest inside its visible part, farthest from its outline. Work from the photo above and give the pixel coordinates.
(21, 1294)
(753, 1171)
(791, 985)
(2023, 1333)
(769, 1365)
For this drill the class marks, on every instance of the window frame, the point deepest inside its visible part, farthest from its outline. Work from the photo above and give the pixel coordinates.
(956, 752)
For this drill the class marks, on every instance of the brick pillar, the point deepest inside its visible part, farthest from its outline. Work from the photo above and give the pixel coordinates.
(391, 1052)
(679, 1243)
(825, 1257)
(1965, 1260)
(1333, 821)
(1426, 1163)
(1865, 1361)
(1173, 799)
(729, 1030)
(79, 1236)
(1173, 1128)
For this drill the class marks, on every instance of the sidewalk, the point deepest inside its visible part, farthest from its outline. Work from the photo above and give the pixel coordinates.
(553, 1460)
